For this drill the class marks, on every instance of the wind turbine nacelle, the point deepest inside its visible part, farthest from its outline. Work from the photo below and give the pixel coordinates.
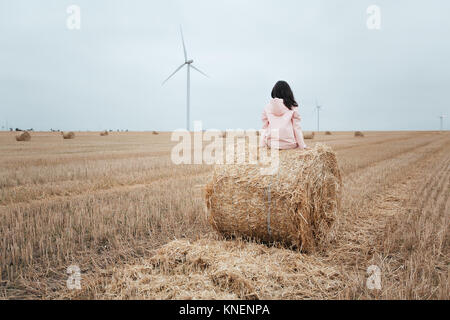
(189, 61)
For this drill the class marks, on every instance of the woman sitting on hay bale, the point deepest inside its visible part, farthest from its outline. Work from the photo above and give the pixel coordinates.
(281, 114)
(294, 206)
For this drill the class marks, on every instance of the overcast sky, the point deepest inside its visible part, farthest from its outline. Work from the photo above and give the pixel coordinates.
(108, 74)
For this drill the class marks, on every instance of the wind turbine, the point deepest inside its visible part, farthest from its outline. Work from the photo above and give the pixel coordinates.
(441, 117)
(318, 115)
(189, 64)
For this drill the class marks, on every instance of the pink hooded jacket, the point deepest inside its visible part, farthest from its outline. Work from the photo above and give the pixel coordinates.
(277, 116)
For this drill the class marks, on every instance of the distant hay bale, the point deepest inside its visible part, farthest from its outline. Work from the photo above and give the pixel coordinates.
(155, 132)
(68, 135)
(308, 135)
(25, 136)
(359, 134)
(328, 133)
(104, 133)
(295, 207)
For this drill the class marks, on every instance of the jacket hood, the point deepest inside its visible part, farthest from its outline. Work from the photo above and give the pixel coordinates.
(276, 107)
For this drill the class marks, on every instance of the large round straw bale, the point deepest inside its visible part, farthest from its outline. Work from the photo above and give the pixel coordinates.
(296, 206)
(328, 133)
(69, 135)
(359, 134)
(104, 133)
(25, 136)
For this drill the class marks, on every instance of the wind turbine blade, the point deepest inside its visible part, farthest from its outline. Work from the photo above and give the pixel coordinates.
(173, 73)
(184, 46)
(198, 70)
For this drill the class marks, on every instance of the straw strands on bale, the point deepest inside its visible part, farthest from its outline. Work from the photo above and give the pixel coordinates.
(238, 133)
(104, 133)
(68, 135)
(25, 136)
(212, 269)
(296, 206)
(359, 134)
(308, 135)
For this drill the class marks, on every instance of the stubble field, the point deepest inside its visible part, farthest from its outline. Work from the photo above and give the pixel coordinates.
(106, 203)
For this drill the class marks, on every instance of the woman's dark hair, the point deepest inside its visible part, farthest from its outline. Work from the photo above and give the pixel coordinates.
(282, 90)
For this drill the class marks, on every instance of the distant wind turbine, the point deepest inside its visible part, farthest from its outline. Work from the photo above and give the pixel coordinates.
(441, 117)
(318, 115)
(189, 64)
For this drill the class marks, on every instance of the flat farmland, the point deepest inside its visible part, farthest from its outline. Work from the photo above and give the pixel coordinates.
(106, 203)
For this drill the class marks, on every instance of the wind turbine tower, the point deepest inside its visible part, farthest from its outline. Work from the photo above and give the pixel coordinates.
(318, 107)
(189, 64)
(441, 117)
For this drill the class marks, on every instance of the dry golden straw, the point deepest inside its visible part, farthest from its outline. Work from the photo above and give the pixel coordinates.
(68, 135)
(212, 269)
(359, 134)
(25, 136)
(296, 206)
